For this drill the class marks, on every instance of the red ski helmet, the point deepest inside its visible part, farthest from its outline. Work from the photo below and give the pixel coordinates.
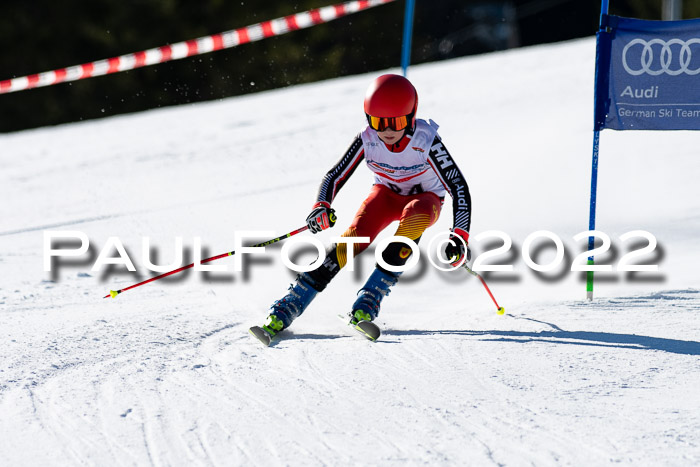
(391, 102)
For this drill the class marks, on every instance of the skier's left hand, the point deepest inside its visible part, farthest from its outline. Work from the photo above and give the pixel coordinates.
(458, 248)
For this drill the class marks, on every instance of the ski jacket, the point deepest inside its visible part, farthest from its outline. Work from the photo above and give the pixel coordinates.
(421, 165)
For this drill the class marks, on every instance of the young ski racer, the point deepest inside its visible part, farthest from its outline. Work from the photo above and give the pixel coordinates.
(412, 172)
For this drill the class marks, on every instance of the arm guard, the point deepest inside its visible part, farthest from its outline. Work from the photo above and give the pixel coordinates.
(451, 177)
(336, 177)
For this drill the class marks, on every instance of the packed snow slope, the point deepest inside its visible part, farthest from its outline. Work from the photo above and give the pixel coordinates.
(166, 374)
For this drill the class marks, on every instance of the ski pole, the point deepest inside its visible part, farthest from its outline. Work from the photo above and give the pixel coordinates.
(114, 293)
(501, 310)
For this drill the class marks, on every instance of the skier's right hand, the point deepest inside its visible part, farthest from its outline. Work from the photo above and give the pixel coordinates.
(321, 218)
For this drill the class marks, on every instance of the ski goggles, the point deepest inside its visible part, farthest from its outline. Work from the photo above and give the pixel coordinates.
(382, 123)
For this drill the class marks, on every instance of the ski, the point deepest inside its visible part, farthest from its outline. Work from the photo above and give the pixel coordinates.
(261, 335)
(370, 330)
(367, 328)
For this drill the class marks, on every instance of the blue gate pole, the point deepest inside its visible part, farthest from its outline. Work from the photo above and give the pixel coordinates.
(591, 213)
(594, 169)
(407, 35)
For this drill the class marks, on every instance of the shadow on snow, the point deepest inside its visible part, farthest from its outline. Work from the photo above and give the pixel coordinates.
(559, 336)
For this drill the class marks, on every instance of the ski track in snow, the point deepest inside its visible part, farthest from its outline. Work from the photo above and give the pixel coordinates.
(174, 387)
(168, 375)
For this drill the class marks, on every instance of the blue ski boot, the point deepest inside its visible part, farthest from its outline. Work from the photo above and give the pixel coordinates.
(369, 297)
(292, 305)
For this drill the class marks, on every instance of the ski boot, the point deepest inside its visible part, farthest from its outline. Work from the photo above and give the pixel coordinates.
(366, 307)
(369, 297)
(287, 309)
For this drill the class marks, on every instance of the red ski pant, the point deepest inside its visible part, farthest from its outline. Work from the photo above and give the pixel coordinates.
(415, 213)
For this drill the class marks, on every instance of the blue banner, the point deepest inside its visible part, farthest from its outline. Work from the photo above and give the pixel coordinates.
(648, 75)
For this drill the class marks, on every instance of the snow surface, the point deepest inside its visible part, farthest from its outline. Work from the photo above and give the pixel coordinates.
(167, 374)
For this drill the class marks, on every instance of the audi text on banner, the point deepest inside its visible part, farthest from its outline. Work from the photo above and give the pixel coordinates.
(649, 75)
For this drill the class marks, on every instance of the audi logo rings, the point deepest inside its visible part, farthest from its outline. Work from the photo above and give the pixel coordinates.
(665, 59)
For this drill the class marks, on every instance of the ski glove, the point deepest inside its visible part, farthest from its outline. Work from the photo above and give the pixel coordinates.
(321, 218)
(458, 248)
